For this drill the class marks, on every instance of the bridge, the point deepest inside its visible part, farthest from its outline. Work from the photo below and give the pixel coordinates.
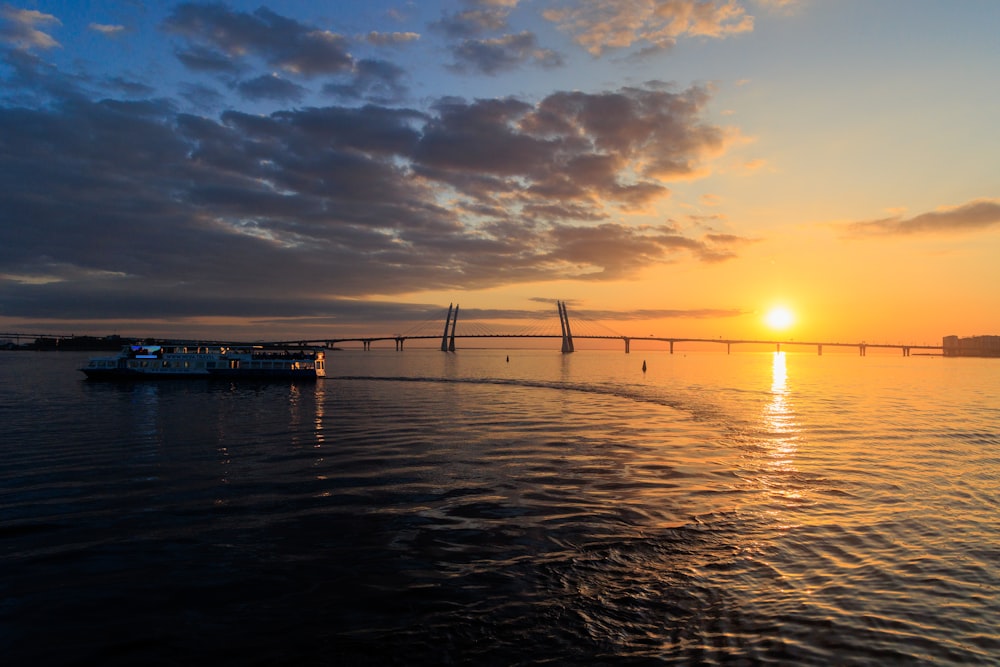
(450, 333)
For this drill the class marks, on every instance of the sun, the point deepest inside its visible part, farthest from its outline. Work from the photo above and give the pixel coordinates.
(779, 318)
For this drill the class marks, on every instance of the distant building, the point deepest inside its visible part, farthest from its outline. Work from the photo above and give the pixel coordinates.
(974, 346)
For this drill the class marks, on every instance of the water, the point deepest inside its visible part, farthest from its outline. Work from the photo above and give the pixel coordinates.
(423, 508)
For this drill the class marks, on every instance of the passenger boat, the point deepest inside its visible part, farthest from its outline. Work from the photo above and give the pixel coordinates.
(180, 361)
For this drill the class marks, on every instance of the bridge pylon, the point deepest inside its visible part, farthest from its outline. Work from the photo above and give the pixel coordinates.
(448, 345)
(567, 335)
(454, 321)
(444, 336)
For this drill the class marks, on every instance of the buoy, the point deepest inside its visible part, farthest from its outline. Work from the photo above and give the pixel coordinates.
(643, 365)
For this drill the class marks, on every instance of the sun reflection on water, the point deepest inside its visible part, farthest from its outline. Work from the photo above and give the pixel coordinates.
(779, 417)
(781, 435)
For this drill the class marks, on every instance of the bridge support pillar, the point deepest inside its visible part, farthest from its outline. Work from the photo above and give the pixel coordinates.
(819, 350)
(777, 347)
(628, 342)
(366, 345)
(906, 351)
(862, 349)
(729, 348)
(671, 347)
(399, 344)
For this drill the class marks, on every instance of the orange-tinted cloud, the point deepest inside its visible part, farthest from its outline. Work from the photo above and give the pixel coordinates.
(22, 28)
(975, 215)
(599, 25)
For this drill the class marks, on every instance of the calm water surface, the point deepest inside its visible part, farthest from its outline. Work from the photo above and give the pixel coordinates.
(429, 508)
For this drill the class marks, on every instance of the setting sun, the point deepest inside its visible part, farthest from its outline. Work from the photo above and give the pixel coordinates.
(779, 318)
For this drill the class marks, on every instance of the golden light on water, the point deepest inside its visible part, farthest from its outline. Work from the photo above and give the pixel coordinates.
(779, 420)
(779, 375)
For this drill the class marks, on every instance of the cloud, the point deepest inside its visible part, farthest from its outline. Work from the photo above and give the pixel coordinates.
(31, 82)
(377, 81)
(477, 47)
(270, 87)
(279, 41)
(131, 209)
(219, 40)
(472, 22)
(390, 38)
(106, 29)
(600, 25)
(492, 56)
(202, 59)
(22, 28)
(202, 98)
(618, 251)
(129, 87)
(979, 214)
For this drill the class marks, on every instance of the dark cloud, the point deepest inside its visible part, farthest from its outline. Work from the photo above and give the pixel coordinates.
(131, 209)
(203, 59)
(483, 137)
(472, 22)
(281, 42)
(32, 82)
(662, 127)
(620, 251)
(480, 43)
(377, 81)
(501, 54)
(570, 149)
(972, 216)
(129, 87)
(219, 40)
(270, 87)
(200, 97)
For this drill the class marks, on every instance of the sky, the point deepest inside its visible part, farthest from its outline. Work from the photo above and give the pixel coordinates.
(671, 167)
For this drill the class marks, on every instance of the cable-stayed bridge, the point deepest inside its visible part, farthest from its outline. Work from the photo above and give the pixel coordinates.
(581, 329)
(567, 332)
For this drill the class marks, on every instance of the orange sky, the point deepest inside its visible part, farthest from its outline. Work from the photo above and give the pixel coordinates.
(323, 169)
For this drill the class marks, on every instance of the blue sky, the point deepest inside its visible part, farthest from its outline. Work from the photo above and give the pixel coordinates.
(290, 167)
